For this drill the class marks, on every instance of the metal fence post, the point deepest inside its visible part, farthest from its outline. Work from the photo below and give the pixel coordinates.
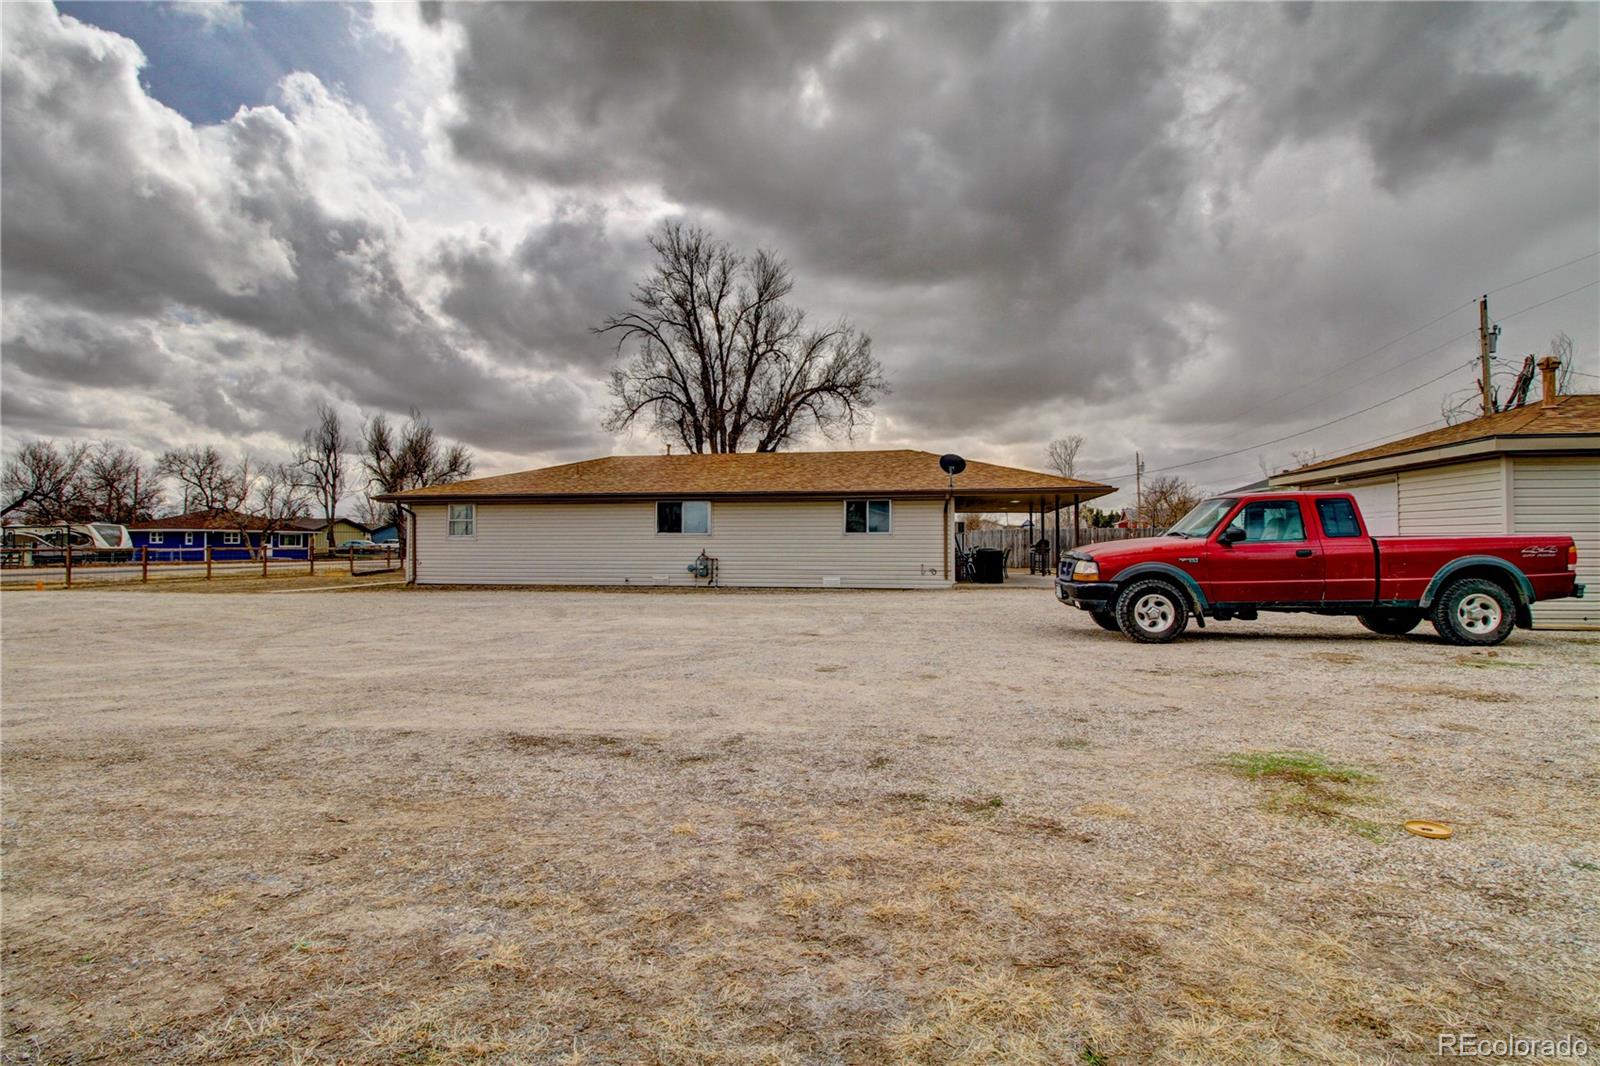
(69, 559)
(208, 558)
(352, 560)
(144, 563)
(263, 555)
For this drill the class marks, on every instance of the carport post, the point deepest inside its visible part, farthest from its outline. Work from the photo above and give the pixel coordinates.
(1055, 556)
(1075, 521)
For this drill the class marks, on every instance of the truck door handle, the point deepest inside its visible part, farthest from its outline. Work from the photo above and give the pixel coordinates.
(1304, 553)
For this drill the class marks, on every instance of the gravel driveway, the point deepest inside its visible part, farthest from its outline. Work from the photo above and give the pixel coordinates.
(753, 827)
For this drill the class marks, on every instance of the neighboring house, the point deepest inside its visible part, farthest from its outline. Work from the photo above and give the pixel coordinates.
(328, 536)
(879, 519)
(1532, 469)
(388, 533)
(230, 536)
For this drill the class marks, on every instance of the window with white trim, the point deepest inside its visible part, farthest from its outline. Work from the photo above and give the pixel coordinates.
(158, 538)
(692, 517)
(291, 540)
(188, 539)
(868, 516)
(231, 537)
(463, 519)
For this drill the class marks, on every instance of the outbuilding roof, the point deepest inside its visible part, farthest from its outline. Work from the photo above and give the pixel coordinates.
(1572, 415)
(889, 473)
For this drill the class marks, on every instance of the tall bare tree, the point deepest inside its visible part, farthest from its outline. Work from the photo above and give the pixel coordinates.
(410, 457)
(323, 464)
(1063, 454)
(715, 358)
(42, 481)
(1167, 498)
(279, 495)
(1561, 348)
(208, 481)
(117, 486)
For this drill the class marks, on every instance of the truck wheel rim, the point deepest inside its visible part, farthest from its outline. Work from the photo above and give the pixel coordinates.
(1478, 613)
(1153, 613)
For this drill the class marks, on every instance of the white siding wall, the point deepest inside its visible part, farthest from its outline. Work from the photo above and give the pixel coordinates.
(1562, 496)
(1461, 498)
(1379, 501)
(788, 544)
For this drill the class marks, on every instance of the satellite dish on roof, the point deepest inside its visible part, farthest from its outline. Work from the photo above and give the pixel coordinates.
(952, 464)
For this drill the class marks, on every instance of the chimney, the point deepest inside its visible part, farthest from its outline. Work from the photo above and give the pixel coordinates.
(1547, 380)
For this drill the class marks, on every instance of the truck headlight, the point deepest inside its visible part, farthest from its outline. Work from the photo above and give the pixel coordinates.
(1086, 570)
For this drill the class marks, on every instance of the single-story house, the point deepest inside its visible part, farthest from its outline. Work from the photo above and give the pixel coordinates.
(388, 533)
(865, 519)
(230, 535)
(327, 536)
(1531, 469)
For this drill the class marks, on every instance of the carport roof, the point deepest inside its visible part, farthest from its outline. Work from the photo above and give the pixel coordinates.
(903, 473)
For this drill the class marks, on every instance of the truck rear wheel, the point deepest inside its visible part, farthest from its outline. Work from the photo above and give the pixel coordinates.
(1391, 623)
(1473, 610)
(1151, 611)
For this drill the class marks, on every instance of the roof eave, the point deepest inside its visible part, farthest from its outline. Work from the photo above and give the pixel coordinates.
(1083, 490)
(1441, 454)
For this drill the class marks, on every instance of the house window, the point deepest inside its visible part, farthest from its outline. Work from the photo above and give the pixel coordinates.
(1338, 518)
(291, 540)
(158, 538)
(683, 516)
(188, 539)
(1271, 521)
(463, 519)
(868, 516)
(230, 538)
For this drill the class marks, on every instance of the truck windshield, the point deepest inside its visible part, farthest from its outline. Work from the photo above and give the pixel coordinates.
(1203, 519)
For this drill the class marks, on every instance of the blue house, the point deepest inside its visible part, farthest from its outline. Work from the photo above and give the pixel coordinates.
(385, 534)
(229, 535)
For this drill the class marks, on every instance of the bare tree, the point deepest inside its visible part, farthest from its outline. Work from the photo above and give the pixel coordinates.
(411, 457)
(1561, 348)
(117, 486)
(280, 494)
(1063, 454)
(322, 463)
(720, 362)
(42, 481)
(208, 481)
(1167, 498)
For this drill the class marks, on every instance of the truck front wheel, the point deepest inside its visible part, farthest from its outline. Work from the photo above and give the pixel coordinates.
(1473, 610)
(1151, 611)
(1391, 623)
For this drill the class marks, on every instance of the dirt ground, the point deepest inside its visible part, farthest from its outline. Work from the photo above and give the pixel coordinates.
(925, 827)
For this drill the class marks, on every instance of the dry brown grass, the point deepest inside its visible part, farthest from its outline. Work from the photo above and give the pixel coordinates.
(649, 831)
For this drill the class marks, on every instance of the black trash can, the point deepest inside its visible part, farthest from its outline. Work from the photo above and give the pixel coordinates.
(989, 566)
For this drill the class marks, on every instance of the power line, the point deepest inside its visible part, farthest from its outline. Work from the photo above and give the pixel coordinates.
(1380, 403)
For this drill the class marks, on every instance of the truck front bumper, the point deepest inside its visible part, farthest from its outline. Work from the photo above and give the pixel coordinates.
(1086, 595)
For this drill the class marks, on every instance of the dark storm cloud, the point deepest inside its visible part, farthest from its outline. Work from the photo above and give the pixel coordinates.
(1022, 204)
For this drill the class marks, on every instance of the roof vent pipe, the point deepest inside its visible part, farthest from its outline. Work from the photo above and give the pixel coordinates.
(1547, 380)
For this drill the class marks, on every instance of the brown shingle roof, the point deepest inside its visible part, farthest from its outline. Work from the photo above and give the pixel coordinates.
(898, 473)
(1575, 414)
(203, 520)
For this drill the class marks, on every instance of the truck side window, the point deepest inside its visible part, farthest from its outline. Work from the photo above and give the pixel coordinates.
(1338, 518)
(1266, 521)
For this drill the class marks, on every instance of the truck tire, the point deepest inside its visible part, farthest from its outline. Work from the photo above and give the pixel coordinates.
(1105, 620)
(1473, 610)
(1151, 611)
(1391, 623)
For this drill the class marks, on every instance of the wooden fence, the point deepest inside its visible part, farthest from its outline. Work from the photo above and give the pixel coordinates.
(1016, 542)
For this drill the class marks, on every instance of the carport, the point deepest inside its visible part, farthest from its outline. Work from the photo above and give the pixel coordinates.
(1042, 510)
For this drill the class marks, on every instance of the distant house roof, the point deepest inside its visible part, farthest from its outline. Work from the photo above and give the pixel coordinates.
(890, 473)
(317, 525)
(1564, 425)
(196, 520)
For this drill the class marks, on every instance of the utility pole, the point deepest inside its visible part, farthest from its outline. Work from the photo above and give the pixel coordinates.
(1138, 488)
(1486, 346)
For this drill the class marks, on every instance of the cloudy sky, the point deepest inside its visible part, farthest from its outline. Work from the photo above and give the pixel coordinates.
(1184, 230)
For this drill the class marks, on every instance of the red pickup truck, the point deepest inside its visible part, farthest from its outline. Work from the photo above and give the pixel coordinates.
(1234, 556)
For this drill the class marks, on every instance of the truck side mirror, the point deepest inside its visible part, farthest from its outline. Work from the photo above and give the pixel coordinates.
(1231, 536)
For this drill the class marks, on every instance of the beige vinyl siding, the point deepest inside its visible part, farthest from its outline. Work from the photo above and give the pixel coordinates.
(1562, 496)
(793, 544)
(1379, 501)
(1460, 498)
